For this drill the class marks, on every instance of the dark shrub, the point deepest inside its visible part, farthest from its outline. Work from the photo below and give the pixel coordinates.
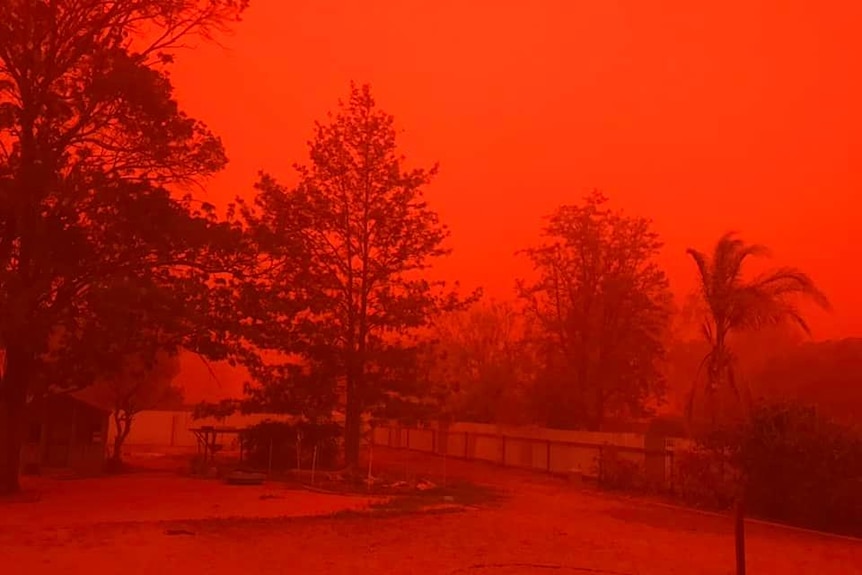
(798, 468)
(280, 440)
(802, 468)
(617, 472)
(701, 480)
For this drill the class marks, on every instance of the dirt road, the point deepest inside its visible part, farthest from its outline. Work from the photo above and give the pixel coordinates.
(541, 525)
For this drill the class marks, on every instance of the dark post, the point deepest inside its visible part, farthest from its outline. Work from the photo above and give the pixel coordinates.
(671, 471)
(739, 532)
(601, 463)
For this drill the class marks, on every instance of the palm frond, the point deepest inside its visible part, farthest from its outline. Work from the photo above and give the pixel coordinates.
(702, 263)
(728, 258)
(791, 281)
(705, 273)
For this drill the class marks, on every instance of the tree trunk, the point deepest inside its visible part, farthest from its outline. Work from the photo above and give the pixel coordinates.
(599, 415)
(10, 449)
(352, 424)
(13, 403)
(739, 532)
(123, 424)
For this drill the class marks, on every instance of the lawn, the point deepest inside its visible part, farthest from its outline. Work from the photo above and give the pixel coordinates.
(172, 524)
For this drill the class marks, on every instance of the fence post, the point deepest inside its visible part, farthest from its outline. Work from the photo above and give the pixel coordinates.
(671, 471)
(548, 461)
(601, 464)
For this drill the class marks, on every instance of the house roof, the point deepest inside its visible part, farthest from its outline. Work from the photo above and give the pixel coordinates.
(89, 399)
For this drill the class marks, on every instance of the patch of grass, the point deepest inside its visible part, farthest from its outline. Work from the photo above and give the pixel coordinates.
(449, 499)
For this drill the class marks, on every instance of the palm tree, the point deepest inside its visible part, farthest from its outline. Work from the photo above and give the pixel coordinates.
(734, 304)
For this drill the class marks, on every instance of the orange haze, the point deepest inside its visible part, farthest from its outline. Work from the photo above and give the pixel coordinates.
(705, 116)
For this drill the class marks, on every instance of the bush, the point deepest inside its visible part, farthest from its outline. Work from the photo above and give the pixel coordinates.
(802, 468)
(278, 440)
(700, 479)
(798, 467)
(617, 472)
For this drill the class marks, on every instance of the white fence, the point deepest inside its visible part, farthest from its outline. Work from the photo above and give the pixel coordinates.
(549, 450)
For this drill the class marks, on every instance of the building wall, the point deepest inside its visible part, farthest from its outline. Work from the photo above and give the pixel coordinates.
(71, 435)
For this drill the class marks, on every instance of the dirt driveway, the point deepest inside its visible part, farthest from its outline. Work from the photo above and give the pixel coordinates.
(542, 525)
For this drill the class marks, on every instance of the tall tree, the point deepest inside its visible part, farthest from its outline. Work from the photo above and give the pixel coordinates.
(351, 241)
(735, 305)
(602, 306)
(93, 148)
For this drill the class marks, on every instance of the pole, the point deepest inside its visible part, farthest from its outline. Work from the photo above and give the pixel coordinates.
(313, 464)
(739, 533)
(269, 469)
(444, 467)
(370, 459)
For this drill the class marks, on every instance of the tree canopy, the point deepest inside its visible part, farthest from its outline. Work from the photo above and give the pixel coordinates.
(478, 363)
(602, 307)
(347, 248)
(97, 168)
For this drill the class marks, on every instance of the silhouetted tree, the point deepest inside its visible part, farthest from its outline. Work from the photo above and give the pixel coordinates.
(734, 304)
(602, 308)
(479, 361)
(93, 147)
(349, 244)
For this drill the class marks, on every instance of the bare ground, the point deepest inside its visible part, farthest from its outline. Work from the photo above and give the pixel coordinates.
(168, 524)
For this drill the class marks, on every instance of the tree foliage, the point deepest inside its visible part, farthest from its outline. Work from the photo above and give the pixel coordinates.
(94, 154)
(479, 363)
(348, 248)
(601, 307)
(800, 467)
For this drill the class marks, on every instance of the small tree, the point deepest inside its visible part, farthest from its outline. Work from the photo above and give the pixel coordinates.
(349, 245)
(602, 309)
(141, 384)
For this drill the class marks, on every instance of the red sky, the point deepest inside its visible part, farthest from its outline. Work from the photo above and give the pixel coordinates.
(705, 116)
